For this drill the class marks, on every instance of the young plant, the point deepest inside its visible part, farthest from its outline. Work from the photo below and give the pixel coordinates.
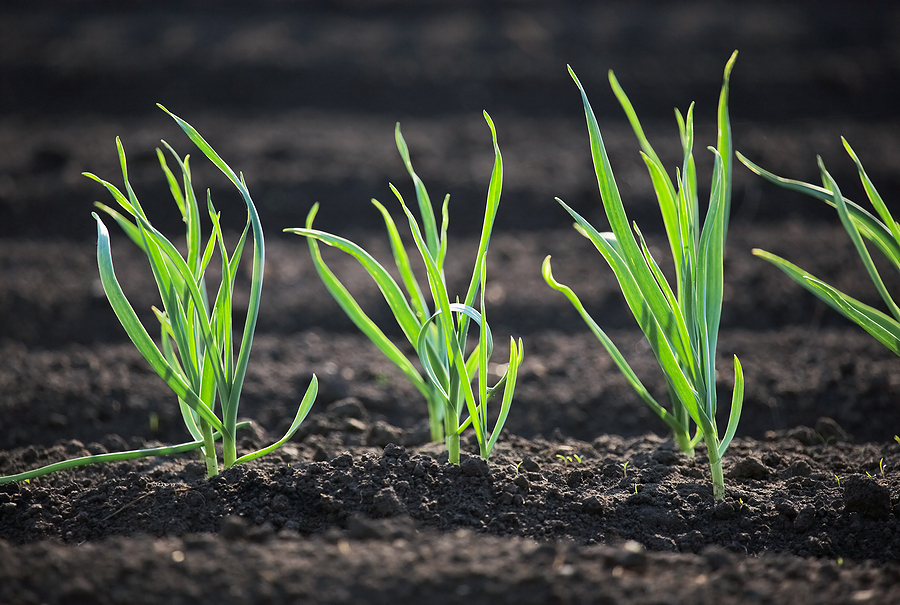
(567, 460)
(438, 334)
(859, 224)
(197, 359)
(681, 325)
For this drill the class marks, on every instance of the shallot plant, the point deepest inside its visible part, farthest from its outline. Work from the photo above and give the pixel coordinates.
(196, 358)
(882, 231)
(437, 333)
(680, 324)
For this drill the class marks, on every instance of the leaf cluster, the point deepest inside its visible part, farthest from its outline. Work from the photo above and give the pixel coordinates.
(196, 358)
(882, 231)
(681, 324)
(438, 328)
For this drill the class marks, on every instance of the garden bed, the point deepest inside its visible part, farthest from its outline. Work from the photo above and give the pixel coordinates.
(586, 498)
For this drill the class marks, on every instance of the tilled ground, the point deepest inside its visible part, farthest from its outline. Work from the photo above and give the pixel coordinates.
(577, 490)
(584, 500)
(543, 522)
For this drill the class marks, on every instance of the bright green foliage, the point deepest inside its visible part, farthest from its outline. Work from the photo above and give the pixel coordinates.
(859, 224)
(681, 326)
(437, 334)
(197, 359)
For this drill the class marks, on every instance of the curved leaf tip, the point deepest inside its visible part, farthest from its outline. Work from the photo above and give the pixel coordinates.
(730, 64)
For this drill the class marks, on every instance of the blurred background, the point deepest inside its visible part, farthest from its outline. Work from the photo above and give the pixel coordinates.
(303, 97)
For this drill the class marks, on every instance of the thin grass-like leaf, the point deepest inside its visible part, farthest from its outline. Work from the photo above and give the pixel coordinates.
(516, 353)
(612, 349)
(305, 405)
(138, 335)
(401, 260)
(676, 337)
(656, 332)
(493, 202)
(435, 280)
(681, 324)
(710, 280)
(737, 405)
(850, 228)
(429, 225)
(869, 226)
(354, 311)
(167, 450)
(883, 327)
(389, 289)
(801, 276)
(874, 196)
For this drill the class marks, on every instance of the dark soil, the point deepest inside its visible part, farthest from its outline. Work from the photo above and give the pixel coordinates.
(585, 499)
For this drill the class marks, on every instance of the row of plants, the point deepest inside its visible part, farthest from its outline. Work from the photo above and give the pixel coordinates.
(196, 351)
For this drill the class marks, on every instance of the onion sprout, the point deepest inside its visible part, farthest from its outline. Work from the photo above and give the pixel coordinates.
(859, 223)
(197, 359)
(681, 326)
(438, 336)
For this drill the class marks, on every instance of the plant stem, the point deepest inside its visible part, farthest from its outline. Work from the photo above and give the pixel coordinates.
(434, 419)
(715, 464)
(451, 435)
(451, 418)
(451, 431)
(229, 449)
(453, 447)
(683, 440)
(209, 449)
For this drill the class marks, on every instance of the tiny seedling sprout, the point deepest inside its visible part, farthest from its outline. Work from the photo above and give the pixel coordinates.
(567, 460)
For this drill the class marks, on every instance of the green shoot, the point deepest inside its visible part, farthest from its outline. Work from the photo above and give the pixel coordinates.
(882, 231)
(437, 333)
(197, 359)
(681, 325)
(567, 460)
(881, 467)
(625, 469)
